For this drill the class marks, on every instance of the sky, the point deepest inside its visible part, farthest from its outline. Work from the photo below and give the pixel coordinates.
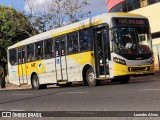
(96, 6)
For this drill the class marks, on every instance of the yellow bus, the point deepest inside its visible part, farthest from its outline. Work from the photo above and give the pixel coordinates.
(111, 46)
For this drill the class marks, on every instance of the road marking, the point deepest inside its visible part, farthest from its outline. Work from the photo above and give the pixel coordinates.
(73, 92)
(149, 90)
(22, 94)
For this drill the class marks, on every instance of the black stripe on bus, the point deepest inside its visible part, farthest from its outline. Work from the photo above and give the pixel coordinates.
(155, 35)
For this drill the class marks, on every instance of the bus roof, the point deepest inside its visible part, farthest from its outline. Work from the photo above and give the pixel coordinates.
(99, 19)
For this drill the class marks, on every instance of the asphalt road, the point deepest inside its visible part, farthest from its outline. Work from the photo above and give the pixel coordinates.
(140, 94)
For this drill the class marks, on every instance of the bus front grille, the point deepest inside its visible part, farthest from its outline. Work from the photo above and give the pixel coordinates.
(136, 69)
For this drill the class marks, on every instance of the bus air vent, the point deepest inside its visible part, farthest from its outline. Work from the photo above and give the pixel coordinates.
(136, 69)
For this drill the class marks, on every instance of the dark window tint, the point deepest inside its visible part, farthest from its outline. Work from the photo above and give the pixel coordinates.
(39, 50)
(60, 46)
(19, 56)
(13, 56)
(152, 1)
(23, 55)
(85, 39)
(57, 48)
(63, 51)
(129, 4)
(72, 43)
(136, 4)
(30, 52)
(124, 7)
(49, 51)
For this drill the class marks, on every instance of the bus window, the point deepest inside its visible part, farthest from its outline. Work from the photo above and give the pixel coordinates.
(39, 50)
(72, 43)
(19, 56)
(30, 52)
(13, 57)
(49, 51)
(57, 49)
(23, 55)
(85, 39)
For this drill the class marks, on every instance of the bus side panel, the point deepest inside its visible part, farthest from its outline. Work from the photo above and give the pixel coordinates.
(50, 73)
(37, 67)
(22, 73)
(111, 69)
(73, 68)
(13, 76)
(76, 63)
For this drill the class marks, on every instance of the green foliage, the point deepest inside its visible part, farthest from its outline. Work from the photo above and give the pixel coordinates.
(3, 48)
(14, 27)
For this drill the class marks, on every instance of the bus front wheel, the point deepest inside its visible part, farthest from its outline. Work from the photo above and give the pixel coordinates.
(91, 78)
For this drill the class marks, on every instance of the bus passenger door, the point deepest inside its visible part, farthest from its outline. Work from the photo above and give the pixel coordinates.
(22, 71)
(60, 60)
(101, 52)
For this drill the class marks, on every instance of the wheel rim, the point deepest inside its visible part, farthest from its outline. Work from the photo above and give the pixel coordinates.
(91, 77)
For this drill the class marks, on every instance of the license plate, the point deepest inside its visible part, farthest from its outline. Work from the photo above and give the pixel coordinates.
(139, 73)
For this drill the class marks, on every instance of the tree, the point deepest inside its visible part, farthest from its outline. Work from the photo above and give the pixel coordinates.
(56, 14)
(13, 27)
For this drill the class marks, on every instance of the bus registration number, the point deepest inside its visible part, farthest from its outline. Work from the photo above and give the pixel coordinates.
(139, 73)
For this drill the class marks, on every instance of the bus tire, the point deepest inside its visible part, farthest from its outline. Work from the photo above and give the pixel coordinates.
(35, 82)
(90, 76)
(124, 80)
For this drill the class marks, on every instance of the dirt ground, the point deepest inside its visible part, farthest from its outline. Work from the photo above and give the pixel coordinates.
(10, 86)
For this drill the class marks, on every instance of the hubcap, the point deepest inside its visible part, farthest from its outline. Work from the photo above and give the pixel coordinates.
(91, 77)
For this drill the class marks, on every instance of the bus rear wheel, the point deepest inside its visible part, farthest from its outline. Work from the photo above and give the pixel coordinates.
(35, 82)
(90, 76)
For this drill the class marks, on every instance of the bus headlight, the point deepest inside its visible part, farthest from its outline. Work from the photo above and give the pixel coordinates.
(118, 60)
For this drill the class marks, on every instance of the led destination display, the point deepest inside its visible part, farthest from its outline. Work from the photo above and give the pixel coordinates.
(130, 21)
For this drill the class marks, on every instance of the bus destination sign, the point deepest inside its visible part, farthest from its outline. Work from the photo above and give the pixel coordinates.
(130, 21)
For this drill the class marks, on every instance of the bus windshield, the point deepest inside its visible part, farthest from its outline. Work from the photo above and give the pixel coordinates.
(131, 40)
